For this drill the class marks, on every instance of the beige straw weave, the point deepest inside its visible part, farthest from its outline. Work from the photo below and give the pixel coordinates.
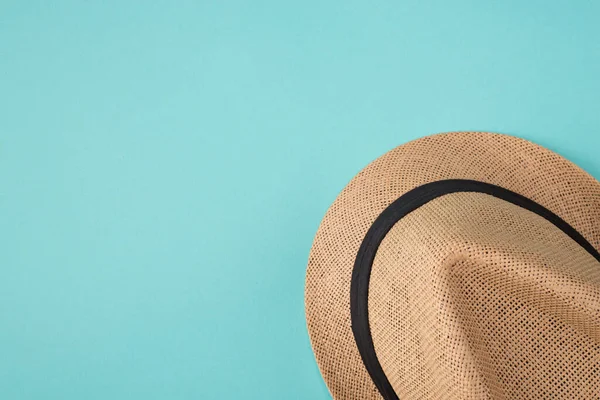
(471, 297)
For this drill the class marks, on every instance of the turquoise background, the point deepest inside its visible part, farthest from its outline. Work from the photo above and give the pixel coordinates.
(164, 166)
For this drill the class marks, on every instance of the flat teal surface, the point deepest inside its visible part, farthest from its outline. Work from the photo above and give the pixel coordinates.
(164, 166)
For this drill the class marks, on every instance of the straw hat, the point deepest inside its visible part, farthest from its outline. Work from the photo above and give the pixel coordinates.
(459, 266)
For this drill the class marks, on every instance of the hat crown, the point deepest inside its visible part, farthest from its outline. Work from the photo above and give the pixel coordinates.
(471, 296)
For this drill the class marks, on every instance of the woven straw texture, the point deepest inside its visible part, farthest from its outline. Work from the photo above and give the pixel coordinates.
(471, 297)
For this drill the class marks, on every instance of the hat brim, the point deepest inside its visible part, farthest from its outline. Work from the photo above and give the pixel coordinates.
(509, 162)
